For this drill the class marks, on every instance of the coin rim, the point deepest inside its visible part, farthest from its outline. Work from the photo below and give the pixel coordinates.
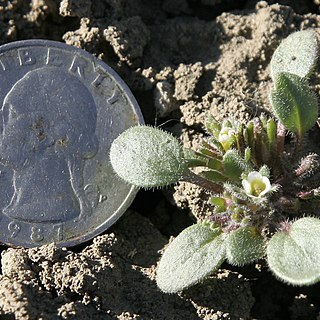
(133, 191)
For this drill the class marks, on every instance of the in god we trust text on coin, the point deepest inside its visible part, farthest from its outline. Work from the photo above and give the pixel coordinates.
(61, 110)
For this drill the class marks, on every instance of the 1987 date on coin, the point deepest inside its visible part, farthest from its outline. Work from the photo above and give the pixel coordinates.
(61, 109)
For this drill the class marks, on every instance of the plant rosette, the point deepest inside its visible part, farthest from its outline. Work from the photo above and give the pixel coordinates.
(259, 180)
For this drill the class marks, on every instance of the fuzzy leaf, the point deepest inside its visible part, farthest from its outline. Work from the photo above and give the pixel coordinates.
(265, 171)
(294, 104)
(147, 157)
(244, 245)
(308, 166)
(192, 256)
(234, 164)
(297, 54)
(215, 164)
(294, 256)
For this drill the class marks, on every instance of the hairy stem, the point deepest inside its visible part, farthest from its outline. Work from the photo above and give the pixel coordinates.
(297, 147)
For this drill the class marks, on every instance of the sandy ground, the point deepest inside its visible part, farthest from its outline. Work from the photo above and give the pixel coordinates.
(183, 60)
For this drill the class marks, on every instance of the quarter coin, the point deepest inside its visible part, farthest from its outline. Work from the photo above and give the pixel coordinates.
(61, 108)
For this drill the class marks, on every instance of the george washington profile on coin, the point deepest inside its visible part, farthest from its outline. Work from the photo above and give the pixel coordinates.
(60, 110)
(48, 132)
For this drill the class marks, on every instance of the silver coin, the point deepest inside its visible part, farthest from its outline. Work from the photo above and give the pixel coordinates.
(61, 108)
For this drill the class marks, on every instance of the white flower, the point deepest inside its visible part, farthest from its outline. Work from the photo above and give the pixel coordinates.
(226, 137)
(256, 185)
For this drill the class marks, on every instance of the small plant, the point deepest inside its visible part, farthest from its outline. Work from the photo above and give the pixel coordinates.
(265, 189)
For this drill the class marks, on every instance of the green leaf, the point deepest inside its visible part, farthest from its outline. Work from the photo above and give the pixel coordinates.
(294, 104)
(272, 136)
(215, 164)
(213, 144)
(297, 54)
(193, 255)
(147, 157)
(234, 165)
(294, 255)
(244, 245)
(218, 202)
(212, 126)
(247, 154)
(193, 158)
(248, 134)
(214, 175)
